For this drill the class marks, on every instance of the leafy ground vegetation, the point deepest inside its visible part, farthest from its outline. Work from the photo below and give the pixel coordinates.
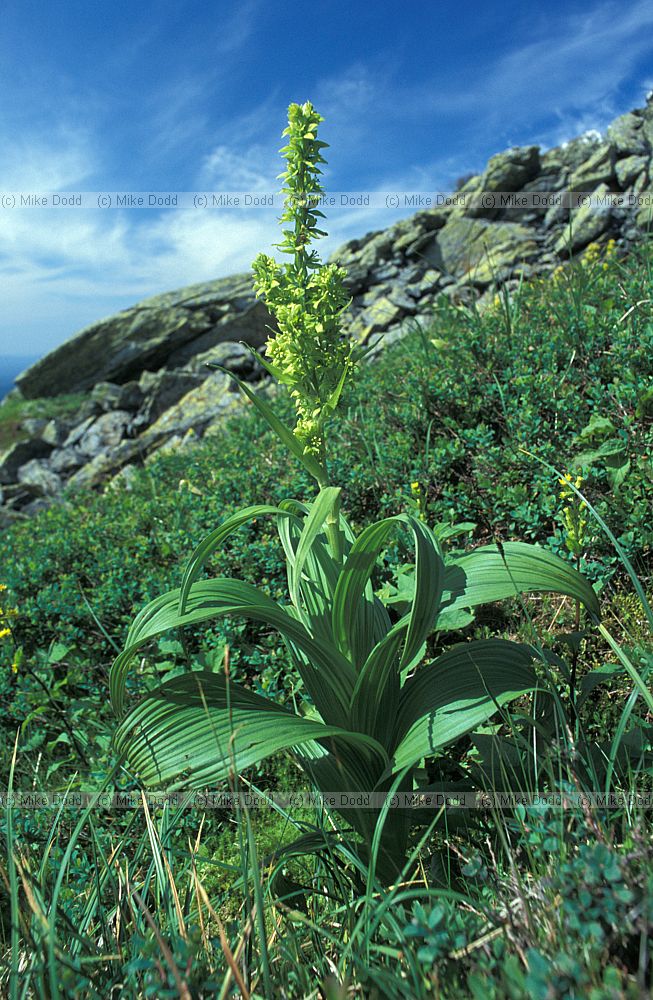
(468, 424)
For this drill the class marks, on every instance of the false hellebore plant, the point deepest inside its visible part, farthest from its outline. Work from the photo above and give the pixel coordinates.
(374, 709)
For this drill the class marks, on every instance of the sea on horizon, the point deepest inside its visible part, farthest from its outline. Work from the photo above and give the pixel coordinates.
(11, 365)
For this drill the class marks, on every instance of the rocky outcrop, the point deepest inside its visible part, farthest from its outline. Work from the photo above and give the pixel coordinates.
(163, 331)
(145, 371)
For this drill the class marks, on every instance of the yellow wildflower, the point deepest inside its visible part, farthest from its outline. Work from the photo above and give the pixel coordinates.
(4, 632)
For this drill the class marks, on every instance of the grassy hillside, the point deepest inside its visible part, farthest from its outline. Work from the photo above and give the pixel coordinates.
(469, 421)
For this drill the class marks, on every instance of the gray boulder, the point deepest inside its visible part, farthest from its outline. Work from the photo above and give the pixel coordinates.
(65, 461)
(33, 426)
(38, 475)
(597, 169)
(105, 432)
(629, 169)
(158, 331)
(161, 390)
(19, 454)
(627, 135)
(588, 222)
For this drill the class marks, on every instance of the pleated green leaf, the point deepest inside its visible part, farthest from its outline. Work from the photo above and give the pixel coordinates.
(214, 540)
(321, 507)
(193, 731)
(377, 689)
(357, 641)
(354, 578)
(485, 575)
(457, 692)
(328, 676)
(429, 582)
(317, 581)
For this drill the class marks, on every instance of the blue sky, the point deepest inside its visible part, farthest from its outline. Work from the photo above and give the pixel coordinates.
(184, 96)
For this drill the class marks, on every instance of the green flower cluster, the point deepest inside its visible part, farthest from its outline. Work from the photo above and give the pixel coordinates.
(573, 518)
(309, 353)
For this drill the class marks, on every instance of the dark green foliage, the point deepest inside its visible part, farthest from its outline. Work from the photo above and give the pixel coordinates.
(585, 916)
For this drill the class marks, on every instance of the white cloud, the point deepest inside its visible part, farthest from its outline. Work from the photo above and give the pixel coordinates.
(34, 163)
(226, 169)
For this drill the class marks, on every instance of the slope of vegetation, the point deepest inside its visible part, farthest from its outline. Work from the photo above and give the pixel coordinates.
(469, 421)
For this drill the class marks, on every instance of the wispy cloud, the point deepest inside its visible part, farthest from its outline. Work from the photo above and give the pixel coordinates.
(571, 67)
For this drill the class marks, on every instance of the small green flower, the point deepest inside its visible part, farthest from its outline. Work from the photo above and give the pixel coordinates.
(417, 498)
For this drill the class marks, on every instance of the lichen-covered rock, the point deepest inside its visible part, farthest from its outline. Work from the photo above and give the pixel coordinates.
(77, 433)
(591, 220)
(105, 395)
(55, 432)
(149, 335)
(106, 464)
(627, 135)
(569, 156)
(644, 218)
(428, 281)
(19, 454)
(105, 432)
(38, 474)
(161, 390)
(629, 169)
(195, 410)
(478, 249)
(509, 171)
(382, 313)
(505, 172)
(33, 426)
(234, 357)
(18, 496)
(65, 461)
(597, 169)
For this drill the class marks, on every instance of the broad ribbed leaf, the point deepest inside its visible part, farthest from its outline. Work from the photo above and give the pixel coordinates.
(317, 582)
(429, 581)
(328, 676)
(377, 689)
(321, 507)
(342, 767)
(193, 731)
(484, 576)
(357, 642)
(354, 578)
(215, 539)
(456, 693)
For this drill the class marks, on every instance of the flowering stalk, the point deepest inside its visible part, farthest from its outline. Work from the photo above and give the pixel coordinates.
(309, 353)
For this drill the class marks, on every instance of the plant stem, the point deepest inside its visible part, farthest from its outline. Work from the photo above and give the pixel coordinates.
(333, 517)
(574, 657)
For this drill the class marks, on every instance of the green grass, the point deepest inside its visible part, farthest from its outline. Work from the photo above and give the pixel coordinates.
(14, 411)
(544, 903)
